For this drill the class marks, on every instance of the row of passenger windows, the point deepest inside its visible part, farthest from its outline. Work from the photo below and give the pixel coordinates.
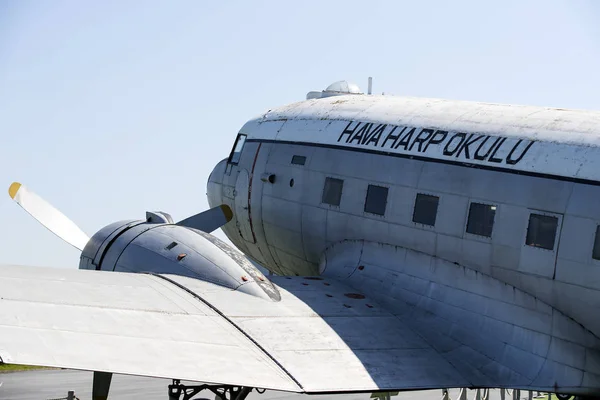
(541, 231)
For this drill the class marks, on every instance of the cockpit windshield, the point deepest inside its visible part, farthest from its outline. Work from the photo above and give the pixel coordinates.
(236, 152)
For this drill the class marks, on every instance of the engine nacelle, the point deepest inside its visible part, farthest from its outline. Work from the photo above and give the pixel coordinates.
(165, 248)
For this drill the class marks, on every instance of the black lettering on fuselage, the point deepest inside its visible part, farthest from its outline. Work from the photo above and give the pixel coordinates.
(478, 155)
(391, 136)
(348, 131)
(461, 138)
(422, 137)
(361, 133)
(437, 138)
(492, 158)
(512, 161)
(459, 145)
(465, 145)
(405, 141)
(375, 135)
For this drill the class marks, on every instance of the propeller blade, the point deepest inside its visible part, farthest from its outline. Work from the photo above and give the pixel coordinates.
(48, 216)
(209, 220)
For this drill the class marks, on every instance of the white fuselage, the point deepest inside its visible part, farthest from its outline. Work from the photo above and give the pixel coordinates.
(511, 192)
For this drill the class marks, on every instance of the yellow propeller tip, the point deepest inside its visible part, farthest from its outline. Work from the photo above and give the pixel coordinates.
(13, 189)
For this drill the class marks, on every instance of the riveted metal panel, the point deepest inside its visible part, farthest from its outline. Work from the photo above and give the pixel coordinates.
(577, 239)
(510, 219)
(477, 255)
(584, 202)
(401, 200)
(284, 239)
(413, 238)
(281, 212)
(506, 257)
(577, 273)
(282, 155)
(452, 214)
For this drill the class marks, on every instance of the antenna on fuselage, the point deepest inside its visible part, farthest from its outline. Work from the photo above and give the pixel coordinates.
(370, 87)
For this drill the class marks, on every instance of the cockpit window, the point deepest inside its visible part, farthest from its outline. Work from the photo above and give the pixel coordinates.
(236, 152)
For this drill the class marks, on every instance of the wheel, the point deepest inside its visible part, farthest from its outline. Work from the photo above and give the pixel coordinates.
(563, 396)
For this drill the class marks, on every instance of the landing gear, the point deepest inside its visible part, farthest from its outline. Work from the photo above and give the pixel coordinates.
(101, 385)
(178, 391)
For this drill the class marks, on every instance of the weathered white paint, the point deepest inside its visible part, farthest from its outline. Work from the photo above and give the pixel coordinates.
(316, 339)
(124, 323)
(560, 178)
(565, 142)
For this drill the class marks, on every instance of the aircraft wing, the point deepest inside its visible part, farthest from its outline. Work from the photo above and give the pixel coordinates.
(320, 337)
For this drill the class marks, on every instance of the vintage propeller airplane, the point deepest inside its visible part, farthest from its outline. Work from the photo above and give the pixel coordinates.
(416, 243)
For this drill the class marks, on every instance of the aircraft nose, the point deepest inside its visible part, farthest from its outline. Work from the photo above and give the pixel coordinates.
(215, 184)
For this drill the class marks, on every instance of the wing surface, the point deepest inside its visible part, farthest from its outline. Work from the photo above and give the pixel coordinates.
(321, 337)
(124, 323)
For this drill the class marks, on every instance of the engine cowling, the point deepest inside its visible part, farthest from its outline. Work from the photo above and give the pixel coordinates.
(156, 245)
(164, 248)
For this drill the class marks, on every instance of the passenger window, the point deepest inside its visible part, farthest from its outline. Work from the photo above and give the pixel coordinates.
(541, 231)
(332, 191)
(425, 210)
(481, 219)
(298, 160)
(596, 252)
(376, 199)
(236, 152)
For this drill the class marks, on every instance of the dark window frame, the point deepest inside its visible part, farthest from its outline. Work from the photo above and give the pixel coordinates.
(338, 196)
(417, 210)
(534, 240)
(371, 210)
(296, 157)
(482, 231)
(230, 160)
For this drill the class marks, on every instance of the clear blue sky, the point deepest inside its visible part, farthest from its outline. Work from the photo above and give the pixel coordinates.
(112, 108)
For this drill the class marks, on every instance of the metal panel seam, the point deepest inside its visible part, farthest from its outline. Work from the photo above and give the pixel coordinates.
(251, 178)
(108, 245)
(216, 310)
(546, 359)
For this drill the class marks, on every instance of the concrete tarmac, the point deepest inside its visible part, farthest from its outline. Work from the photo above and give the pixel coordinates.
(55, 383)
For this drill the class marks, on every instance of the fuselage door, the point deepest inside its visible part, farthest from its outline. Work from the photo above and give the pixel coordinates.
(538, 255)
